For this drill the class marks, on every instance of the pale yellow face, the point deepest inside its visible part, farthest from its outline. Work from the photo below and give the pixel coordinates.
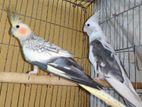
(19, 29)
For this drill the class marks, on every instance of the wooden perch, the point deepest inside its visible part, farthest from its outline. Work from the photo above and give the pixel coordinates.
(11, 77)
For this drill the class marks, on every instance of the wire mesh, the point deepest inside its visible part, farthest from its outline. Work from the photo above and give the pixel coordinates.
(81, 3)
(121, 22)
(58, 22)
(61, 22)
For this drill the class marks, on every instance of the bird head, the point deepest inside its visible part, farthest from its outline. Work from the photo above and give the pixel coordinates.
(18, 29)
(93, 29)
(91, 25)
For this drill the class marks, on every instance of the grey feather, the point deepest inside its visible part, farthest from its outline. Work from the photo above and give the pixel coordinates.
(37, 43)
(69, 69)
(41, 53)
(114, 73)
(38, 49)
(105, 56)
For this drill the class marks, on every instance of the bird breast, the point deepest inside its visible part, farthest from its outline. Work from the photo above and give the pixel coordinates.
(91, 55)
(36, 55)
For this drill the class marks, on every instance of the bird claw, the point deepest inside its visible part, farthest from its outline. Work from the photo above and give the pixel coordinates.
(50, 74)
(113, 53)
(30, 73)
(99, 76)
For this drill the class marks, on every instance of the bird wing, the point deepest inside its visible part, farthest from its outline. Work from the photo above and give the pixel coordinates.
(69, 69)
(104, 57)
(114, 72)
(37, 49)
(45, 46)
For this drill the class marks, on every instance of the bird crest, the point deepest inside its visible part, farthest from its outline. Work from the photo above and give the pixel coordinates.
(14, 18)
(95, 17)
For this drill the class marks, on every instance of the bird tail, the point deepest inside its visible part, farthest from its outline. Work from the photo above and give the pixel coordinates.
(125, 91)
(103, 96)
(130, 93)
(83, 80)
(127, 103)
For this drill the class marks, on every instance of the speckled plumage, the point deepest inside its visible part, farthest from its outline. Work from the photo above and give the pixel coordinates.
(36, 48)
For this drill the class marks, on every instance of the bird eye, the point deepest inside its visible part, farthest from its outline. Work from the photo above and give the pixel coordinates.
(17, 26)
(88, 24)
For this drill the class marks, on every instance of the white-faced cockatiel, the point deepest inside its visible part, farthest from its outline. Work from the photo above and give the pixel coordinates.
(49, 57)
(106, 62)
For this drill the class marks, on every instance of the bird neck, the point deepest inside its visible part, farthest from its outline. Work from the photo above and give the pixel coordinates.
(97, 36)
(22, 41)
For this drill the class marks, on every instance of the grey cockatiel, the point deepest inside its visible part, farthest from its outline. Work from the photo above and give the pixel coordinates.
(106, 63)
(54, 59)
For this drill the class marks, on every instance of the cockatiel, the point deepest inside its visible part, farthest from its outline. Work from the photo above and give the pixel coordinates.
(106, 63)
(54, 59)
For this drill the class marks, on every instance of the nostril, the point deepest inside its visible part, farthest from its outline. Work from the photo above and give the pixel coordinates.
(88, 24)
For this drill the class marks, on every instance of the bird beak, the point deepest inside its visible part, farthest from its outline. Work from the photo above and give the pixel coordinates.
(84, 34)
(11, 32)
(84, 31)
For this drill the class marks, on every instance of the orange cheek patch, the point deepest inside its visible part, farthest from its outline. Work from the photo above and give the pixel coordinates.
(22, 30)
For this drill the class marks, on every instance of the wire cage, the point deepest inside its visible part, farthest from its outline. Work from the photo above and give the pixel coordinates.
(61, 23)
(121, 21)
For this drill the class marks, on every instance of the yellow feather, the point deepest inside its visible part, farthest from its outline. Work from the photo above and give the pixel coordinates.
(103, 96)
(13, 18)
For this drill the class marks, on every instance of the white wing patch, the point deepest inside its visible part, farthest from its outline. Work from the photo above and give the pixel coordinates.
(67, 68)
(57, 71)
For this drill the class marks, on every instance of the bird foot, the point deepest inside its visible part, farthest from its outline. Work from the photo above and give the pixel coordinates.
(50, 74)
(33, 72)
(30, 73)
(99, 76)
(113, 53)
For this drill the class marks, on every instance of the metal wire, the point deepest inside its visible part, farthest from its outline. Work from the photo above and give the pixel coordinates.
(121, 22)
(68, 23)
(119, 19)
(80, 3)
